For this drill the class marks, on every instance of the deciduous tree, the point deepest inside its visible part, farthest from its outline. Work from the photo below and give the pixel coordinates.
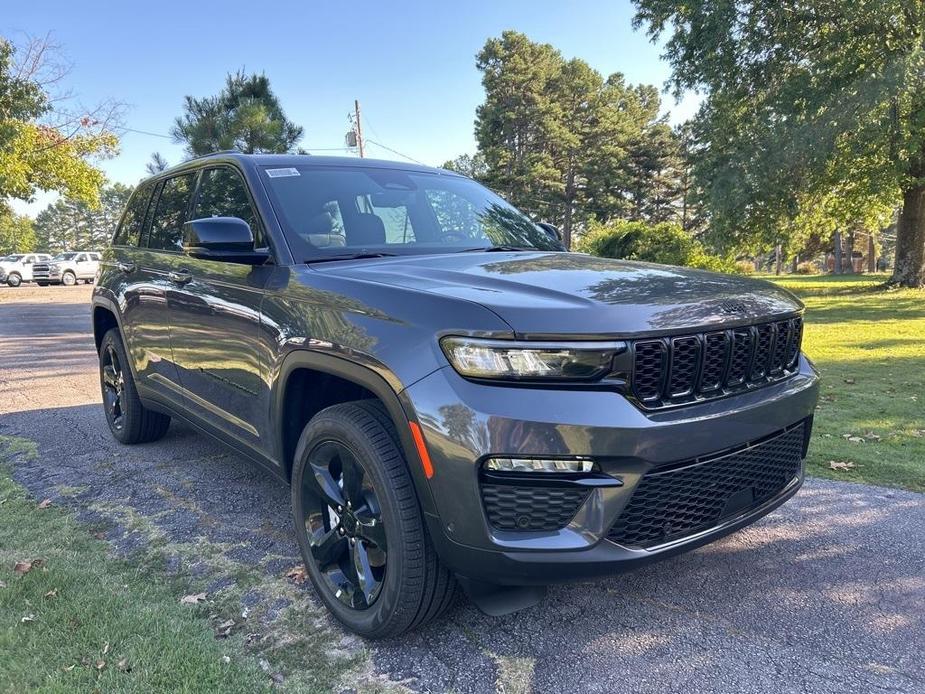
(804, 100)
(44, 145)
(16, 232)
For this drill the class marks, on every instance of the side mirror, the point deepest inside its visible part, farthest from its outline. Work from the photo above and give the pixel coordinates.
(550, 229)
(222, 239)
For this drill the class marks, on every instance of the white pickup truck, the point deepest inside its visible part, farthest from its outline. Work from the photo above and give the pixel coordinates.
(18, 268)
(67, 268)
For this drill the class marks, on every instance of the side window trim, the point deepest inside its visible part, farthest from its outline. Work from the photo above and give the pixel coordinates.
(149, 214)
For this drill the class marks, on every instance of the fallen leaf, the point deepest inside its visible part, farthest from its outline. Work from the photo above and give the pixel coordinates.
(124, 666)
(2, 584)
(44, 504)
(224, 629)
(850, 381)
(68, 668)
(28, 618)
(855, 439)
(100, 664)
(871, 436)
(106, 648)
(53, 593)
(226, 659)
(24, 567)
(297, 575)
(841, 465)
(193, 599)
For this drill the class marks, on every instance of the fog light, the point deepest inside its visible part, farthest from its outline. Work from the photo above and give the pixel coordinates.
(538, 465)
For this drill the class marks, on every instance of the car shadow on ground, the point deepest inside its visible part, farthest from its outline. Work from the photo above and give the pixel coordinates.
(825, 594)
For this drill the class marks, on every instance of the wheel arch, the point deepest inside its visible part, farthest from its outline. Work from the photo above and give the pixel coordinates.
(105, 318)
(325, 365)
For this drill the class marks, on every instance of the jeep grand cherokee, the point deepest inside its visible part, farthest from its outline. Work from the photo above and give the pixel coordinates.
(453, 398)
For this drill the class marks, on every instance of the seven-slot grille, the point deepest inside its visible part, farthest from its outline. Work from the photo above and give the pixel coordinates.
(687, 368)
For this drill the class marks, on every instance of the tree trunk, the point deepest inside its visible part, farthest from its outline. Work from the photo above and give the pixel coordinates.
(871, 254)
(778, 259)
(795, 263)
(909, 268)
(569, 204)
(836, 267)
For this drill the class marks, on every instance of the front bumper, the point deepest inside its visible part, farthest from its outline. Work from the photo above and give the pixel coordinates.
(465, 422)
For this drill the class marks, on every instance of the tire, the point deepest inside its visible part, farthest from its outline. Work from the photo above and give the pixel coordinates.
(129, 421)
(68, 279)
(411, 585)
(42, 284)
(14, 280)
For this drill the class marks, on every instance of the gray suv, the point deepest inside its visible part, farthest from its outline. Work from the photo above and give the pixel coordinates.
(453, 398)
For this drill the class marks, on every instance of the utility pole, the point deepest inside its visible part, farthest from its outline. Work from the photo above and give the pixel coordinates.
(356, 106)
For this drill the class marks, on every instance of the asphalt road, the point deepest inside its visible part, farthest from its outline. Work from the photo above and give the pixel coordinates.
(825, 595)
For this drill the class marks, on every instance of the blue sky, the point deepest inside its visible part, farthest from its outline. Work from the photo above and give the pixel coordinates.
(411, 63)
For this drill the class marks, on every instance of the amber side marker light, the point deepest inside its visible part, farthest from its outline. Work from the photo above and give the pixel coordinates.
(422, 449)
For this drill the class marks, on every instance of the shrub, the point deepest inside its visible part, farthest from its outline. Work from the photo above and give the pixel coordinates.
(745, 267)
(807, 268)
(665, 243)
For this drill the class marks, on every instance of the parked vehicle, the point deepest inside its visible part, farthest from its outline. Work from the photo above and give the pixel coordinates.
(453, 398)
(18, 267)
(67, 269)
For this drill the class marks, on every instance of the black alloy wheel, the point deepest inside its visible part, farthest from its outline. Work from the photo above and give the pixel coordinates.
(343, 520)
(113, 387)
(129, 420)
(359, 524)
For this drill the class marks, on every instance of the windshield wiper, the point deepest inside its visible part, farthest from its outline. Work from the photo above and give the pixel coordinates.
(495, 249)
(351, 256)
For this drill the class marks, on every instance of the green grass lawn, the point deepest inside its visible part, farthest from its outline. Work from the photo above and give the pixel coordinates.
(869, 344)
(83, 621)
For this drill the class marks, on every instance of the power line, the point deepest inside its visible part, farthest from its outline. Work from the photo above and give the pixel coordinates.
(395, 151)
(145, 132)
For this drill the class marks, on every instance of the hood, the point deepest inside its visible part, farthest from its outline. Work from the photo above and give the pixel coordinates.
(546, 293)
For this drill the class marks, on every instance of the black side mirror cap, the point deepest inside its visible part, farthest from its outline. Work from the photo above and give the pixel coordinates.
(551, 229)
(222, 239)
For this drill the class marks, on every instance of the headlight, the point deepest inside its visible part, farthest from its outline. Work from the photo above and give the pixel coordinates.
(576, 361)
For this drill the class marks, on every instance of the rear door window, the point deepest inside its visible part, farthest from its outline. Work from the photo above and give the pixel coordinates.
(129, 231)
(166, 231)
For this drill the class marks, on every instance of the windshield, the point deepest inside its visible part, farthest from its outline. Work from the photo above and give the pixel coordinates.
(12, 258)
(342, 211)
(65, 256)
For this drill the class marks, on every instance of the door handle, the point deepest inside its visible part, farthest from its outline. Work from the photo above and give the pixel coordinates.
(127, 268)
(180, 277)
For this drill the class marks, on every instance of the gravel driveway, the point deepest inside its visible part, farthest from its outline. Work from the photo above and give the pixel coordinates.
(825, 595)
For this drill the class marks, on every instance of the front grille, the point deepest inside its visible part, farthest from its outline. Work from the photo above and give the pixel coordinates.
(513, 507)
(669, 504)
(689, 368)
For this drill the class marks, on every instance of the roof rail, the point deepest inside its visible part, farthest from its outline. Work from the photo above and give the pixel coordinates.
(209, 154)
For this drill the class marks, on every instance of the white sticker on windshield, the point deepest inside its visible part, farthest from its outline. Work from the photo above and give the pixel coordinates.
(279, 173)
